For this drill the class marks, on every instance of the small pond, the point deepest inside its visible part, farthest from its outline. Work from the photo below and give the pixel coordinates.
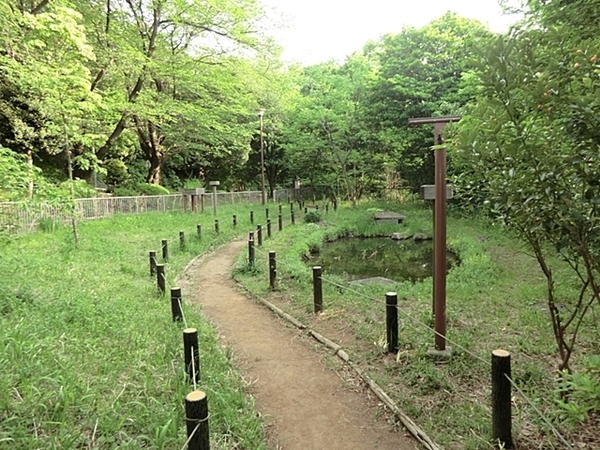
(359, 258)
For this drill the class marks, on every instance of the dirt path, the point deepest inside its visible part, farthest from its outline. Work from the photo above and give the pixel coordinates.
(307, 406)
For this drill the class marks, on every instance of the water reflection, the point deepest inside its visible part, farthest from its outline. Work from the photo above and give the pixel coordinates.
(360, 258)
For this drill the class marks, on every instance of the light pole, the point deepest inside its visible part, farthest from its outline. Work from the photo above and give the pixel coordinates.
(261, 113)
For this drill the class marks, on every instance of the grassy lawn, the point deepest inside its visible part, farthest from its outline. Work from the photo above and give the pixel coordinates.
(495, 299)
(90, 356)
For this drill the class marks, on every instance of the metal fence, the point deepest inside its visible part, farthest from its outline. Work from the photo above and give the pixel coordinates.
(21, 217)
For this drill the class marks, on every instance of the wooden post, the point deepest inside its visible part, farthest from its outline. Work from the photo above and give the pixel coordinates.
(267, 213)
(280, 222)
(234, 221)
(181, 240)
(252, 217)
(190, 346)
(185, 203)
(280, 209)
(391, 320)
(199, 231)
(217, 226)
(152, 256)
(251, 249)
(196, 419)
(272, 269)
(176, 304)
(291, 206)
(305, 210)
(269, 228)
(259, 234)
(202, 202)
(317, 289)
(165, 250)
(292, 217)
(501, 406)
(335, 204)
(194, 203)
(160, 278)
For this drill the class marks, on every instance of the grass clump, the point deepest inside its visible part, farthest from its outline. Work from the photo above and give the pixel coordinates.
(493, 301)
(91, 357)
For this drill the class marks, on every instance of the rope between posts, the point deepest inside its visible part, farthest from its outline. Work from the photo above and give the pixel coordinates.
(193, 370)
(191, 435)
(457, 345)
(182, 314)
(535, 408)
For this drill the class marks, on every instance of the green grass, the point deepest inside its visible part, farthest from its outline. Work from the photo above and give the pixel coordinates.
(495, 299)
(91, 358)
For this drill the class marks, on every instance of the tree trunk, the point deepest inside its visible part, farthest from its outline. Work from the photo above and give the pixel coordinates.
(151, 145)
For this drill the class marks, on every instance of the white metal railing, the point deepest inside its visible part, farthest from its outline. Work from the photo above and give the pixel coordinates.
(26, 216)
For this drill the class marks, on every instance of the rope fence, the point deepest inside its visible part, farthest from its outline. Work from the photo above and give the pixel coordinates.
(502, 427)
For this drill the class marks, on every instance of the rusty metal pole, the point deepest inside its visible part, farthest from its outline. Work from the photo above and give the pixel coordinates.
(440, 243)
(439, 225)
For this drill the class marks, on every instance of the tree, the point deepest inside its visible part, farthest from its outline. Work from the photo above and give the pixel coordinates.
(529, 152)
(421, 72)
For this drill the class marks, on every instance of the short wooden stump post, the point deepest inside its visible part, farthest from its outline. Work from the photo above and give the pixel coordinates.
(165, 250)
(217, 226)
(234, 221)
(161, 280)
(391, 320)
(199, 231)
(317, 289)
(280, 222)
(191, 354)
(182, 240)
(501, 398)
(259, 235)
(292, 217)
(152, 257)
(252, 217)
(269, 228)
(251, 249)
(176, 306)
(196, 419)
(273, 269)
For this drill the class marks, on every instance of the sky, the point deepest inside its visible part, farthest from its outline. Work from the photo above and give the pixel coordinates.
(321, 30)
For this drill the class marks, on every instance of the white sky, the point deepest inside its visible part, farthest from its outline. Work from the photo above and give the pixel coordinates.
(321, 30)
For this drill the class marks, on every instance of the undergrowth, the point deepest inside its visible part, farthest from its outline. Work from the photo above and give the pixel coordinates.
(494, 300)
(91, 358)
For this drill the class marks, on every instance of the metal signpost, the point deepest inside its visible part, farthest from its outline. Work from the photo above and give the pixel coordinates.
(439, 238)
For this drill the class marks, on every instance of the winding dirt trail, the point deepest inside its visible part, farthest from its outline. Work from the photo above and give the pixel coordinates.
(307, 405)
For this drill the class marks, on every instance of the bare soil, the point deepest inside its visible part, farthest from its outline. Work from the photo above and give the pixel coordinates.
(306, 404)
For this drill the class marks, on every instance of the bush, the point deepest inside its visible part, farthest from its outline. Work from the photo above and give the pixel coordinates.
(152, 189)
(312, 217)
(580, 392)
(124, 192)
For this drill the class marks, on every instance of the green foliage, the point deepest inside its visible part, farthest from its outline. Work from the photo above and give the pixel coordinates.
(151, 189)
(116, 172)
(313, 217)
(77, 373)
(580, 392)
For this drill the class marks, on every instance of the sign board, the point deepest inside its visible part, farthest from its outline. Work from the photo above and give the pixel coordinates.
(428, 192)
(214, 183)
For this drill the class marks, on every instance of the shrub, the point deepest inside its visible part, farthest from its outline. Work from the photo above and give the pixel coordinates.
(312, 217)
(124, 192)
(580, 392)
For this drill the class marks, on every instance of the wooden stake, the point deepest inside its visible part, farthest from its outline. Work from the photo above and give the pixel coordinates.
(501, 398)
(199, 231)
(251, 249)
(176, 304)
(391, 316)
(269, 228)
(272, 269)
(280, 222)
(165, 250)
(160, 278)
(152, 256)
(317, 289)
(181, 240)
(196, 415)
(190, 341)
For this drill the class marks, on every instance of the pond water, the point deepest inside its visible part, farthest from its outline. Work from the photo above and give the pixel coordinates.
(359, 258)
